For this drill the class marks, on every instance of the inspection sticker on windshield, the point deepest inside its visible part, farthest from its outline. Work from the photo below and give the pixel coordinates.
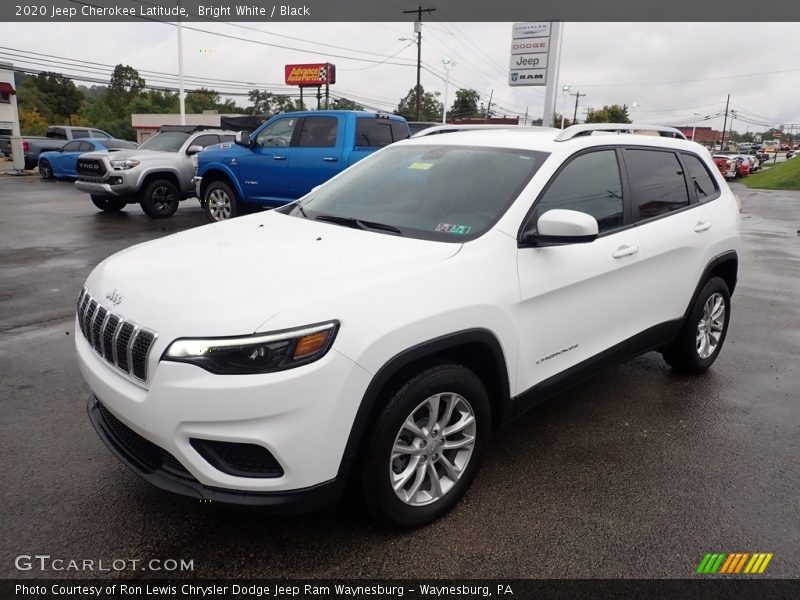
(422, 166)
(457, 229)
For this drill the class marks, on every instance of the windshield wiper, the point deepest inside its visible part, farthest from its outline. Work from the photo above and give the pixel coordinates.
(358, 223)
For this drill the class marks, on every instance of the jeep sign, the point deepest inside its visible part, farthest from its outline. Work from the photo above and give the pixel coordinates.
(528, 61)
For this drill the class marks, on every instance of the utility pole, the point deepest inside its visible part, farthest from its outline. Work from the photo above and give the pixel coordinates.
(733, 116)
(725, 123)
(418, 30)
(489, 106)
(577, 97)
(525, 118)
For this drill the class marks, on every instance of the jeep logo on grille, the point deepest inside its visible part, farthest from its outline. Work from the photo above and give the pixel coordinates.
(114, 297)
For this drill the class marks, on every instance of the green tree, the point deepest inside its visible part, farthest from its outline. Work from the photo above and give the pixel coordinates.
(31, 122)
(100, 115)
(154, 101)
(613, 113)
(465, 105)
(125, 85)
(260, 102)
(61, 95)
(30, 97)
(430, 107)
(282, 104)
(346, 104)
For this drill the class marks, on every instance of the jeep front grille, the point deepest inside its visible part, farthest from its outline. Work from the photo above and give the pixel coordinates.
(122, 343)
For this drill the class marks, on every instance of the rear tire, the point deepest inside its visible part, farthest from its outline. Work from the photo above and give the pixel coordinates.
(108, 204)
(45, 170)
(220, 202)
(160, 199)
(440, 454)
(703, 333)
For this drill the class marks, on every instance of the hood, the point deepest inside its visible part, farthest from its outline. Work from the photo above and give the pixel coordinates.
(140, 155)
(230, 278)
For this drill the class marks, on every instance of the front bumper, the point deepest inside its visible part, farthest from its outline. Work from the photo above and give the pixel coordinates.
(301, 416)
(161, 469)
(114, 185)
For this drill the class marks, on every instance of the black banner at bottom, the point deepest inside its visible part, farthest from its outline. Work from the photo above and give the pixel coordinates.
(367, 589)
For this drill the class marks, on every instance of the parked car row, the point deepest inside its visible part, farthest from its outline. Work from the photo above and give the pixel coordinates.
(733, 165)
(54, 139)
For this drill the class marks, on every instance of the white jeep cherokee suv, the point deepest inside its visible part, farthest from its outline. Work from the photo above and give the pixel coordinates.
(378, 329)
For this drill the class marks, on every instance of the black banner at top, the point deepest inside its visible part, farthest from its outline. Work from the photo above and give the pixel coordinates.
(393, 10)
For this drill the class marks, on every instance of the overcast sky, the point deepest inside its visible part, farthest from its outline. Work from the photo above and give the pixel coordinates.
(670, 70)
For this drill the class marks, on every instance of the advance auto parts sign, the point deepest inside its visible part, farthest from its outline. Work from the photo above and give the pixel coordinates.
(312, 74)
(530, 49)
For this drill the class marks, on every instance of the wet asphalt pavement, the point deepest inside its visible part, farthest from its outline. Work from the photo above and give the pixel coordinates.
(636, 473)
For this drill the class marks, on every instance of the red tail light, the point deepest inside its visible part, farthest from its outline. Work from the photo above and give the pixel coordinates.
(24, 146)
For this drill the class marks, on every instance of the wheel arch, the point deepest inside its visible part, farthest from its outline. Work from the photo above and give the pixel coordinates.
(171, 176)
(219, 174)
(726, 266)
(476, 349)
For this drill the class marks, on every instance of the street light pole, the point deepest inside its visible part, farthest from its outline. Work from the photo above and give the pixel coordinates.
(448, 64)
(181, 100)
(565, 93)
(694, 125)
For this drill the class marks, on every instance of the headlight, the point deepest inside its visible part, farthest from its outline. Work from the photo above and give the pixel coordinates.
(259, 353)
(121, 165)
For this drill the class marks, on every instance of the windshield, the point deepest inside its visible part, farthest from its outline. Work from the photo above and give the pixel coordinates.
(445, 193)
(165, 142)
(119, 145)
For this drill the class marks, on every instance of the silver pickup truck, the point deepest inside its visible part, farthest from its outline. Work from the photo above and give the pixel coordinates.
(54, 139)
(157, 176)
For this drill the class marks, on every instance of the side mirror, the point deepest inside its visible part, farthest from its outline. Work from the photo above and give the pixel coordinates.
(194, 149)
(242, 139)
(560, 226)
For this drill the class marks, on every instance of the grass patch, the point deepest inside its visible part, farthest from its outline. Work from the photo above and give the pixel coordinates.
(783, 176)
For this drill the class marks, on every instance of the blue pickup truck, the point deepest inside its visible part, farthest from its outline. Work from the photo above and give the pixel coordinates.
(288, 156)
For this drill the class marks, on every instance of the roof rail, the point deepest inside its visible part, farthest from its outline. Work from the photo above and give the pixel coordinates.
(588, 128)
(186, 128)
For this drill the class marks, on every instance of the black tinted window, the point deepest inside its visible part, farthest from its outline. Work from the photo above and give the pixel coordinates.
(86, 147)
(656, 180)
(318, 132)
(374, 133)
(703, 182)
(205, 140)
(71, 147)
(589, 184)
(226, 138)
(80, 133)
(399, 131)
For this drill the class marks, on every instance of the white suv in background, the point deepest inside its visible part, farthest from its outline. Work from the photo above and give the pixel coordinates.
(379, 328)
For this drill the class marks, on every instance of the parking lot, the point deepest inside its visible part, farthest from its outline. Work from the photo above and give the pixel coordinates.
(635, 473)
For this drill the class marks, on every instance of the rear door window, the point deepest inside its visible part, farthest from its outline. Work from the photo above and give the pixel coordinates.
(656, 181)
(318, 132)
(80, 133)
(704, 185)
(71, 147)
(373, 133)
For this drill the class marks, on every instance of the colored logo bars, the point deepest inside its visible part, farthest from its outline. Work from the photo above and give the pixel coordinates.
(734, 563)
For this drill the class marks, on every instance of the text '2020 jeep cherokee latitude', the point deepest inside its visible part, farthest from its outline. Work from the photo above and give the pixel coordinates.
(425, 296)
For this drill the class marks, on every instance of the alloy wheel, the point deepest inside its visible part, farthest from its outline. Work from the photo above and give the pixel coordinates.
(163, 198)
(219, 205)
(710, 326)
(432, 449)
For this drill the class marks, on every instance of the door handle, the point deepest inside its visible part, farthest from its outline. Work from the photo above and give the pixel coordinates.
(278, 157)
(626, 250)
(702, 226)
(330, 159)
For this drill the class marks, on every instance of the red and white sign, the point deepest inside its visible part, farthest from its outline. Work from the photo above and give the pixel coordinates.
(310, 74)
(530, 46)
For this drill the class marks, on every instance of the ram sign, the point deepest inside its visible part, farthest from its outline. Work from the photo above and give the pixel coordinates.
(530, 50)
(310, 74)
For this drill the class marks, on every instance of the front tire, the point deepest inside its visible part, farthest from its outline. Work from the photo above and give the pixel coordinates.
(160, 199)
(108, 204)
(703, 333)
(220, 202)
(45, 170)
(426, 447)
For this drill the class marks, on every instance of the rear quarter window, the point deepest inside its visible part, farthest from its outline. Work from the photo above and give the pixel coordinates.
(704, 184)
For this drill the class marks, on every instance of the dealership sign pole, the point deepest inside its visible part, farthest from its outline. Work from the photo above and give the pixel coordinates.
(535, 57)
